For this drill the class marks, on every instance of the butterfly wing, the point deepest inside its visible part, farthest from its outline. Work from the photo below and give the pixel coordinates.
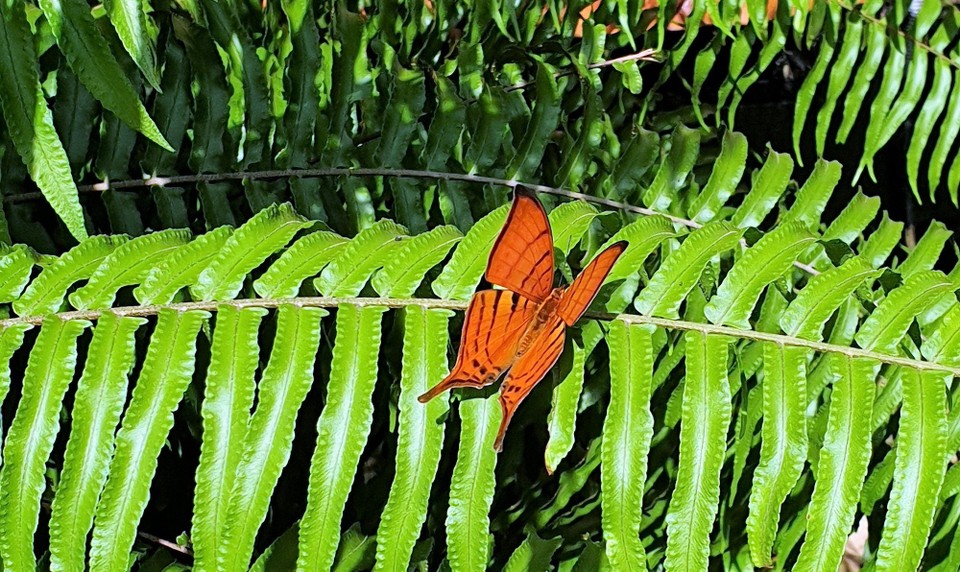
(576, 299)
(522, 256)
(528, 370)
(494, 324)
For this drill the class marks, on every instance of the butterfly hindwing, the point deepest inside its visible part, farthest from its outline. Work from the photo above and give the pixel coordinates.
(529, 369)
(494, 324)
(522, 256)
(576, 299)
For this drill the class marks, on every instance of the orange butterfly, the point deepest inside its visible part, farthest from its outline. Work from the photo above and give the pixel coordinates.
(521, 328)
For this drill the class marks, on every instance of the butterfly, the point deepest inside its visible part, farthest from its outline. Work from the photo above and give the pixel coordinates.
(520, 330)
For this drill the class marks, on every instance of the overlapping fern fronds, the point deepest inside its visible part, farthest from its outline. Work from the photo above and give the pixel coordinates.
(804, 316)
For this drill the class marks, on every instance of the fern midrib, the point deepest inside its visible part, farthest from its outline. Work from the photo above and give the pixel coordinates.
(701, 434)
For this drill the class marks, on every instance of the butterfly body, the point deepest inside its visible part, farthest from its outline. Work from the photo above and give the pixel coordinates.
(520, 331)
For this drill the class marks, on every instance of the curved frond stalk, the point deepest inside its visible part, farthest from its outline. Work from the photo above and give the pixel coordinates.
(420, 438)
(342, 432)
(842, 465)
(101, 395)
(706, 413)
(31, 436)
(921, 451)
(627, 431)
(228, 399)
(166, 372)
(783, 445)
(269, 433)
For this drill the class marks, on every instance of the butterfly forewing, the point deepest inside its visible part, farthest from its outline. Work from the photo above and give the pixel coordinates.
(576, 299)
(529, 369)
(522, 256)
(495, 322)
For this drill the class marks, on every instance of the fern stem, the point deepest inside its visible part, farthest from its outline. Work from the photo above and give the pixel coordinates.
(325, 302)
(378, 172)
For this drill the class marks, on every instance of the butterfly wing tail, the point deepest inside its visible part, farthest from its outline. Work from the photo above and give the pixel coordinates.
(527, 372)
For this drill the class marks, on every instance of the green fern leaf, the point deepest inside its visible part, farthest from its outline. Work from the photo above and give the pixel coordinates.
(420, 439)
(304, 258)
(808, 313)
(627, 430)
(460, 276)
(562, 420)
(873, 52)
(706, 412)
(31, 437)
(533, 554)
(129, 19)
(16, 265)
(228, 399)
(783, 446)
(949, 128)
(128, 264)
(853, 219)
(543, 121)
(269, 434)
(11, 338)
(812, 197)
(166, 372)
(643, 236)
(935, 102)
(638, 156)
(813, 79)
(882, 241)
(927, 251)
(356, 551)
(840, 74)
(675, 168)
(570, 222)
(886, 326)
(842, 465)
(81, 43)
(726, 173)
(921, 455)
(342, 432)
(760, 265)
(101, 395)
(446, 125)
(768, 184)
(247, 248)
(45, 294)
(29, 121)
(351, 268)
(472, 485)
(680, 271)
(943, 344)
(409, 264)
(182, 268)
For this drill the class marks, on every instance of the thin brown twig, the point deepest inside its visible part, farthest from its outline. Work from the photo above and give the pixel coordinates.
(158, 181)
(325, 302)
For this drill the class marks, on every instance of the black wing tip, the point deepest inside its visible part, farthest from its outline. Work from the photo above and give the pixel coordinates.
(524, 191)
(620, 245)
